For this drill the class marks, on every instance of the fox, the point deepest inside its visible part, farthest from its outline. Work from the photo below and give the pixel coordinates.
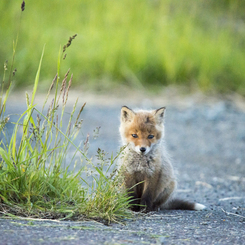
(145, 165)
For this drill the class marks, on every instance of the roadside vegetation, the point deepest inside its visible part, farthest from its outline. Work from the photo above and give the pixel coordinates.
(141, 44)
(37, 177)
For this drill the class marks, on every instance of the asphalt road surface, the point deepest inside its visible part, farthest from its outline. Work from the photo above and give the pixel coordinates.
(206, 139)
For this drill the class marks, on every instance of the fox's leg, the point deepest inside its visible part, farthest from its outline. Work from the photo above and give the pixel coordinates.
(135, 200)
(146, 202)
(147, 196)
(164, 196)
(134, 193)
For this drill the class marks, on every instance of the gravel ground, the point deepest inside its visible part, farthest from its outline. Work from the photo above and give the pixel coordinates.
(206, 138)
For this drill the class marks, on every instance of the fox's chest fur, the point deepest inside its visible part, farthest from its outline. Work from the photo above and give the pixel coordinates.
(144, 165)
(154, 167)
(147, 171)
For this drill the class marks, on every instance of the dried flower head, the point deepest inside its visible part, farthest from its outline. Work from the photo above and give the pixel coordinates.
(69, 85)
(63, 87)
(80, 113)
(52, 84)
(23, 6)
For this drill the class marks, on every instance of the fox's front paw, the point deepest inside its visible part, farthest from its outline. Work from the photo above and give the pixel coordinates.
(135, 208)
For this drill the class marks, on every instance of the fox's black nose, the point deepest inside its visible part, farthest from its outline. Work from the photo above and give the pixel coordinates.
(142, 149)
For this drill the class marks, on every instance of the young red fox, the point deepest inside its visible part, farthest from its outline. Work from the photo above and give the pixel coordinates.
(145, 165)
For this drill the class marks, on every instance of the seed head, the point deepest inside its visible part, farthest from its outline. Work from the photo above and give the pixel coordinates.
(5, 65)
(69, 85)
(23, 6)
(69, 42)
(14, 71)
(80, 113)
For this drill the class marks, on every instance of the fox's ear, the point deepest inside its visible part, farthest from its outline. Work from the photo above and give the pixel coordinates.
(127, 114)
(159, 115)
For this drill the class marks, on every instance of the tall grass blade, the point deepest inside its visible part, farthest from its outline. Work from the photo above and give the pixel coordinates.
(37, 78)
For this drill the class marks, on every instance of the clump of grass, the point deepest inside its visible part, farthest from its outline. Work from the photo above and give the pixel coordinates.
(108, 198)
(34, 179)
(32, 176)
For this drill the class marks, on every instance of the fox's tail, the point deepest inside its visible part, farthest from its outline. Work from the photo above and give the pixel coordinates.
(183, 205)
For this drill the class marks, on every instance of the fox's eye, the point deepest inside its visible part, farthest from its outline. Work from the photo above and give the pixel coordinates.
(150, 136)
(135, 135)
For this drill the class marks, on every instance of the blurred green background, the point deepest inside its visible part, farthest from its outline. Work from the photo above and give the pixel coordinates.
(137, 43)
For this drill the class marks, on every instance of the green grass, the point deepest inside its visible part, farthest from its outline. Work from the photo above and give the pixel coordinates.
(196, 43)
(37, 179)
(34, 179)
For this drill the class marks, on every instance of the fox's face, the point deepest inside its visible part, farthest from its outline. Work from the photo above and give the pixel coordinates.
(142, 129)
